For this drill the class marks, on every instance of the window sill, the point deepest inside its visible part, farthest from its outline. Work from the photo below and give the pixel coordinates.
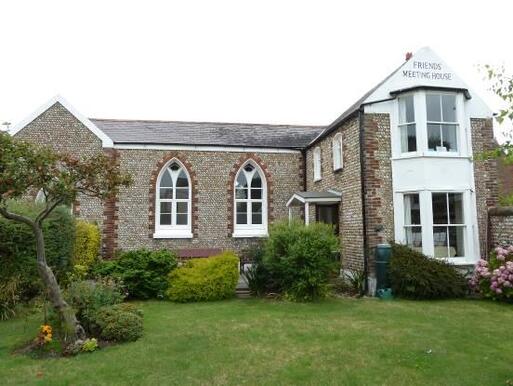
(172, 234)
(430, 155)
(337, 170)
(317, 179)
(249, 234)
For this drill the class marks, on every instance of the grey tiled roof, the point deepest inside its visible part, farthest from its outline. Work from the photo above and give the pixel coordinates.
(208, 134)
(352, 109)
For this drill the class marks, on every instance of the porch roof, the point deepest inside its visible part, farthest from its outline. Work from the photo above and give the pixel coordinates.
(326, 197)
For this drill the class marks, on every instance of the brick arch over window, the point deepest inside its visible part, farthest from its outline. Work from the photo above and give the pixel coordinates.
(153, 190)
(231, 186)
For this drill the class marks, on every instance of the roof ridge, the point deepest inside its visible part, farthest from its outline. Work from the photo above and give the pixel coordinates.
(207, 123)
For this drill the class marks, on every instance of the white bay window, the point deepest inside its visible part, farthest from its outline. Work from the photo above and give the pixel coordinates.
(428, 123)
(435, 223)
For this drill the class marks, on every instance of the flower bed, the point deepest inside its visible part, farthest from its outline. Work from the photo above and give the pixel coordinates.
(494, 278)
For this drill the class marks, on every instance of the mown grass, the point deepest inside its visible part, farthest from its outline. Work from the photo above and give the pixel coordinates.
(349, 342)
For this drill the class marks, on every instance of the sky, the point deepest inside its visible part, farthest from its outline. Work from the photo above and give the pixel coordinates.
(296, 62)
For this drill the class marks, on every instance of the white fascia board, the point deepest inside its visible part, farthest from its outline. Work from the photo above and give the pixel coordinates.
(232, 149)
(326, 200)
(295, 197)
(106, 141)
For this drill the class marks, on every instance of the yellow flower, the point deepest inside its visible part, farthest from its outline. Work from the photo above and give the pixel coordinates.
(46, 329)
(47, 339)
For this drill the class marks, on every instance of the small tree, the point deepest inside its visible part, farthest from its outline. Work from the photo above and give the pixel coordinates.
(501, 84)
(26, 168)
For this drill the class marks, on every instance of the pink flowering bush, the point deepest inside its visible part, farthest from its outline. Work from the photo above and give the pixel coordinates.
(494, 278)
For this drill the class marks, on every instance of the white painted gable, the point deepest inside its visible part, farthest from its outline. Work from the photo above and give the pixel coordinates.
(426, 68)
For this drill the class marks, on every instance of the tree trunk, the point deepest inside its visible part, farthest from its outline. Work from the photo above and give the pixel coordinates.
(71, 328)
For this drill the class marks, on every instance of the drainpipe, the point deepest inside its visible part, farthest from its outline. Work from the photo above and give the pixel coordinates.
(363, 193)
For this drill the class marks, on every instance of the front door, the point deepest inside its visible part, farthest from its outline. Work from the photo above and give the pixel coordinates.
(327, 214)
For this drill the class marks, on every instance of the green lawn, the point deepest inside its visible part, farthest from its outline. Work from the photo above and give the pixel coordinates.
(353, 342)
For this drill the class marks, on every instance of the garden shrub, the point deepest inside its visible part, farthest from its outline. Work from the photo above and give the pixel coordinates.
(205, 279)
(87, 244)
(18, 247)
(494, 278)
(300, 260)
(416, 276)
(9, 297)
(258, 277)
(144, 273)
(88, 296)
(120, 323)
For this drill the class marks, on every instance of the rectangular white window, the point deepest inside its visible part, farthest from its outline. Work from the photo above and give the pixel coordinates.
(337, 152)
(317, 163)
(407, 126)
(412, 224)
(442, 122)
(448, 225)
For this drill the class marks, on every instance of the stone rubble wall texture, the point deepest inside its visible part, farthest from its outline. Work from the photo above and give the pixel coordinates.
(485, 176)
(59, 129)
(128, 219)
(501, 230)
(346, 181)
(212, 175)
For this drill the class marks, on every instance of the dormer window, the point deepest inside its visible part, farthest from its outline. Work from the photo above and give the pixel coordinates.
(442, 122)
(407, 126)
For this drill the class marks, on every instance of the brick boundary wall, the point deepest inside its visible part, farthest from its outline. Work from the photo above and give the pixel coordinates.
(230, 188)
(153, 191)
(110, 214)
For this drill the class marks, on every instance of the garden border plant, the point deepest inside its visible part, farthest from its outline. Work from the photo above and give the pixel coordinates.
(28, 169)
(296, 261)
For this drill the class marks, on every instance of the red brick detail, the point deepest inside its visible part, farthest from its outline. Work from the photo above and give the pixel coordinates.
(110, 214)
(230, 188)
(198, 252)
(153, 190)
(76, 208)
(302, 171)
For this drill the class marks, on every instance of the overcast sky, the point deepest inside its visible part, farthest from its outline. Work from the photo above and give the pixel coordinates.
(300, 62)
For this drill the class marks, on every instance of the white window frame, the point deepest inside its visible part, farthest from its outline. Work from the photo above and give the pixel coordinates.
(406, 226)
(338, 152)
(250, 230)
(173, 231)
(455, 124)
(402, 125)
(449, 225)
(317, 161)
(419, 103)
(426, 222)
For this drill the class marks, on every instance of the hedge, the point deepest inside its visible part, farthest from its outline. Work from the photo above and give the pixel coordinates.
(205, 279)
(416, 276)
(144, 273)
(18, 246)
